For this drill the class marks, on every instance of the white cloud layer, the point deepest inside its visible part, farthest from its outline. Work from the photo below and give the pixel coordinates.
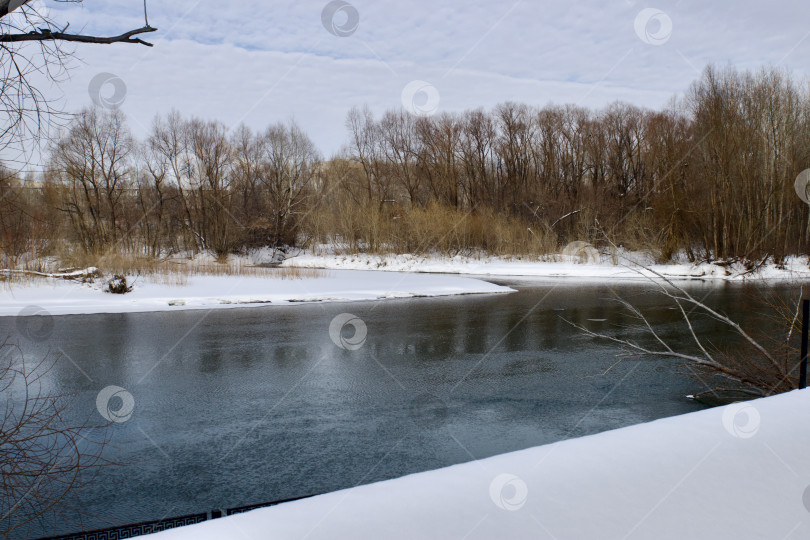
(261, 62)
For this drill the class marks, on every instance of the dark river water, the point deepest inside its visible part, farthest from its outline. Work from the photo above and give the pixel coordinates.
(242, 406)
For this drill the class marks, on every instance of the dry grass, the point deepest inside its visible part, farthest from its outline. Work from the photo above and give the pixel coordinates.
(434, 228)
(170, 271)
(175, 272)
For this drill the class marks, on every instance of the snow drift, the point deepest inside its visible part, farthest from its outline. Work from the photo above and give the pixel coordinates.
(737, 472)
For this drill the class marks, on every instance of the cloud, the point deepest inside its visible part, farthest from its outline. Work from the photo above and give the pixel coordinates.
(261, 62)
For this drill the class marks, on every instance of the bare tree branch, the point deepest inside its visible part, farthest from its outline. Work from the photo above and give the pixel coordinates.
(756, 373)
(33, 47)
(126, 37)
(42, 454)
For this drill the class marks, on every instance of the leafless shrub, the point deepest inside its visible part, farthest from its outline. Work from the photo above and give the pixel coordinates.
(756, 366)
(42, 454)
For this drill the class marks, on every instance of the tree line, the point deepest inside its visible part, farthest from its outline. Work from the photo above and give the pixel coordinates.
(710, 175)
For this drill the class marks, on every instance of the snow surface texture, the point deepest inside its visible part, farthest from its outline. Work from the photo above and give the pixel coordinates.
(59, 297)
(735, 472)
(585, 264)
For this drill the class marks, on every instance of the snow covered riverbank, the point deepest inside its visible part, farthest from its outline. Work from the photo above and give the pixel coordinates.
(736, 472)
(625, 266)
(60, 297)
(349, 277)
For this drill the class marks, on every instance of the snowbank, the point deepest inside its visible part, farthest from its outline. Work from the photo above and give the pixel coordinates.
(59, 297)
(735, 472)
(627, 266)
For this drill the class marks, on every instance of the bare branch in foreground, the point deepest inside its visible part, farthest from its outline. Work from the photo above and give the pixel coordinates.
(750, 370)
(43, 454)
(126, 37)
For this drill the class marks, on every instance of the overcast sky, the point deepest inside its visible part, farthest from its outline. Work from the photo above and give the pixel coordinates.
(261, 62)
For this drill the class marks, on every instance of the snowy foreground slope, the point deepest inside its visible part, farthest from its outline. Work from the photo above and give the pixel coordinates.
(734, 472)
(60, 297)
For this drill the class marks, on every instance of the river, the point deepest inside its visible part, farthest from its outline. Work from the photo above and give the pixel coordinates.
(242, 406)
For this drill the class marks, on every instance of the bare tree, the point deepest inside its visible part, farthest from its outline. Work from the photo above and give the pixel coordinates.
(153, 199)
(168, 145)
(94, 161)
(289, 168)
(22, 219)
(517, 130)
(42, 455)
(365, 148)
(32, 46)
(400, 146)
(439, 157)
(476, 155)
(252, 205)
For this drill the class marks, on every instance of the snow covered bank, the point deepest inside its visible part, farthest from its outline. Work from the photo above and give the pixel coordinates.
(794, 269)
(735, 472)
(59, 297)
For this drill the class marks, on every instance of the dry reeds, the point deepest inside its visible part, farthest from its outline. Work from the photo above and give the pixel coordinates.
(172, 271)
(367, 228)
